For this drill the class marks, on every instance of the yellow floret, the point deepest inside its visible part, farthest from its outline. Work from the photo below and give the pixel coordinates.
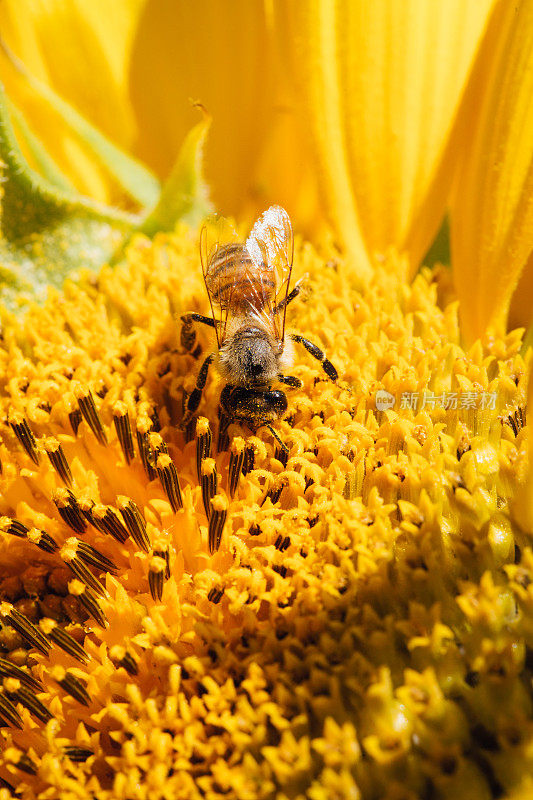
(351, 618)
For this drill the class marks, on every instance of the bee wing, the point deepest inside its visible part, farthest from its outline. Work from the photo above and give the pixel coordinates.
(216, 235)
(271, 244)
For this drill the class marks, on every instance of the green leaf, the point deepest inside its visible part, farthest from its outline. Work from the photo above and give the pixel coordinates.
(184, 194)
(134, 178)
(45, 232)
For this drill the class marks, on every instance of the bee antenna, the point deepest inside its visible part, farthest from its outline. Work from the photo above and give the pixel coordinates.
(276, 437)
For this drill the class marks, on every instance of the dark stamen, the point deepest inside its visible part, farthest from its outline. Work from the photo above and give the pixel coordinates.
(217, 520)
(209, 481)
(69, 554)
(69, 510)
(90, 555)
(77, 754)
(146, 454)
(74, 418)
(9, 712)
(107, 520)
(28, 699)
(203, 444)
(22, 431)
(168, 475)
(88, 601)
(75, 687)
(26, 764)
(123, 658)
(90, 413)
(123, 428)
(9, 670)
(11, 616)
(63, 639)
(156, 577)
(134, 522)
(58, 460)
(236, 461)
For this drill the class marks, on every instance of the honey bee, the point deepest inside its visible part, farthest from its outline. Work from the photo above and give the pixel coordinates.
(247, 285)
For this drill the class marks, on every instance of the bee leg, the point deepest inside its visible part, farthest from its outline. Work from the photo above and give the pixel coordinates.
(195, 396)
(188, 333)
(290, 380)
(290, 297)
(317, 353)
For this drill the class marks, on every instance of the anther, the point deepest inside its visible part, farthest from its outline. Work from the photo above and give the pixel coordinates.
(42, 540)
(26, 764)
(88, 600)
(56, 454)
(274, 492)
(215, 595)
(123, 428)
(161, 550)
(134, 522)
(236, 461)
(89, 412)
(157, 445)
(156, 577)
(21, 429)
(77, 754)
(69, 510)
(282, 543)
(123, 658)
(86, 505)
(203, 444)
(282, 454)
(90, 555)
(249, 459)
(9, 670)
(69, 554)
(145, 451)
(28, 699)
(75, 418)
(75, 687)
(168, 475)
(209, 482)
(14, 527)
(217, 520)
(11, 616)
(8, 711)
(63, 639)
(107, 520)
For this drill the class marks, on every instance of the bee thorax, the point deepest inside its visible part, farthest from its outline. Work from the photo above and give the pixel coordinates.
(250, 357)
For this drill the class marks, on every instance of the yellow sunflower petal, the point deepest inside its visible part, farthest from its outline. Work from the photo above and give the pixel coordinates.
(492, 212)
(520, 311)
(82, 51)
(383, 81)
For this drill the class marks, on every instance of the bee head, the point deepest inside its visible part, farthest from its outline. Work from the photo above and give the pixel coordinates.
(255, 407)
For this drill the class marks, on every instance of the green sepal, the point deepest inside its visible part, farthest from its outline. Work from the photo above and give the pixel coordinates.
(131, 175)
(46, 232)
(184, 195)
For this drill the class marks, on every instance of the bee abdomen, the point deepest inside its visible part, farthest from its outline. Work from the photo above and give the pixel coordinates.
(235, 281)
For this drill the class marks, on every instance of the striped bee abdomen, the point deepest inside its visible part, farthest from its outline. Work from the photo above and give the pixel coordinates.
(235, 282)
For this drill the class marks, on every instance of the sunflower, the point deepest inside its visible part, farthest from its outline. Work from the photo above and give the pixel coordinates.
(199, 612)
